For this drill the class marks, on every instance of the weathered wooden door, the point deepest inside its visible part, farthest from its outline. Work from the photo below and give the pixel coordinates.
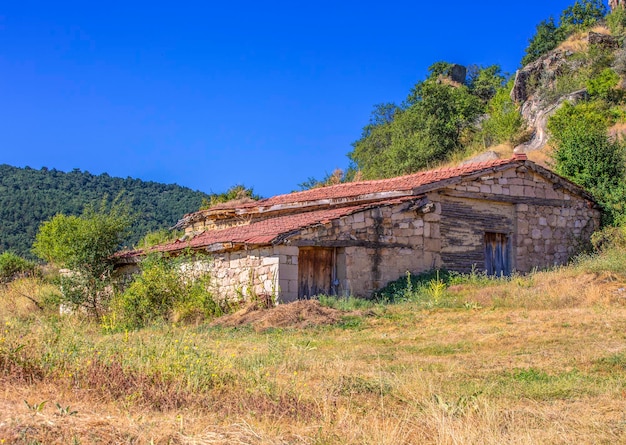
(497, 254)
(315, 271)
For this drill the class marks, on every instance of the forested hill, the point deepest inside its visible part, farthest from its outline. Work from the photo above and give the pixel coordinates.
(29, 197)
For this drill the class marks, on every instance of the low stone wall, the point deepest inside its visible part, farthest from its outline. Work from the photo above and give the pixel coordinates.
(246, 274)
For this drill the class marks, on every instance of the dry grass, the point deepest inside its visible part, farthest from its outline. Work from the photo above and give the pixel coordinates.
(536, 359)
(578, 42)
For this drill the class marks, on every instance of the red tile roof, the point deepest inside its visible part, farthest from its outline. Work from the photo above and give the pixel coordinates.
(356, 189)
(263, 232)
(268, 230)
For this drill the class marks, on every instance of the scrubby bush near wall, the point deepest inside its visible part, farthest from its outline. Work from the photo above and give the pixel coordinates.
(162, 292)
(12, 266)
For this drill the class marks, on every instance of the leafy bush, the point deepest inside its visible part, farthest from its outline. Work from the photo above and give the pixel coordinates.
(12, 266)
(610, 237)
(505, 123)
(604, 85)
(616, 21)
(587, 156)
(162, 292)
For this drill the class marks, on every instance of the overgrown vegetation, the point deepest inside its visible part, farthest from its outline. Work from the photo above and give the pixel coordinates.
(164, 292)
(436, 119)
(13, 266)
(237, 192)
(455, 356)
(84, 245)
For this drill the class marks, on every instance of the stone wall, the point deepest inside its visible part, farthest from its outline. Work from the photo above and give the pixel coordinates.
(549, 236)
(546, 224)
(380, 244)
(240, 274)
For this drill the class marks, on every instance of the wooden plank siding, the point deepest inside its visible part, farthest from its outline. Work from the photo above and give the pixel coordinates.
(315, 271)
(463, 227)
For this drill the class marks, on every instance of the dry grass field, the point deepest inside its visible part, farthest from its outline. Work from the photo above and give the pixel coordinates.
(530, 360)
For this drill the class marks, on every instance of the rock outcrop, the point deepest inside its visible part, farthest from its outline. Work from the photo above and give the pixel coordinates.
(614, 4)
(544, 70)
(603, 40)
(540, 77)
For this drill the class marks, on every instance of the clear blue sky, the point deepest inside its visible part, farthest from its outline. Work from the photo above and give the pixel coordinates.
(211, 94)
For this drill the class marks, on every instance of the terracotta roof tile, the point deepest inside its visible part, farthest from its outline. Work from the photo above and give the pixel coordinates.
(355, 189)
(268, 230)
(265, 231)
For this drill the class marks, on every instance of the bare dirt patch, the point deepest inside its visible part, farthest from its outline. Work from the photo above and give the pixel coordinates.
(299, 314)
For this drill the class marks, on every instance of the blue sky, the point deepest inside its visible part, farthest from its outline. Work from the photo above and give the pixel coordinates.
(211, 94)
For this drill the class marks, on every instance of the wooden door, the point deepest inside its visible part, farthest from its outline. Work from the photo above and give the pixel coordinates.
(497, 254)
(315, 271)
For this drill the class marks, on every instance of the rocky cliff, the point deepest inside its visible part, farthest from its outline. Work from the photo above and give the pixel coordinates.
(538, 92)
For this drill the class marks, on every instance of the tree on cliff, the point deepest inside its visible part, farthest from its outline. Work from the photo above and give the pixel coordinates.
(428, 127)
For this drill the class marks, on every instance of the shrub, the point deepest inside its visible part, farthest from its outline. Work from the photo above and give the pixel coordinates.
(162, 292)
(604, 85)
(587, 156)
(12, 266)
(616, 21)
(505, 123)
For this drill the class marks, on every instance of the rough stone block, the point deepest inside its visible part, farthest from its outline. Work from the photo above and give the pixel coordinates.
(432, 245)
(516, 190)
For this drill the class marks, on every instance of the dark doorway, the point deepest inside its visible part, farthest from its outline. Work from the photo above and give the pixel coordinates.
(315, 271)
(497, 254)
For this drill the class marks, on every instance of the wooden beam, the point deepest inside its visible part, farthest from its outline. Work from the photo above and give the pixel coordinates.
(349, 243)
(509, 199)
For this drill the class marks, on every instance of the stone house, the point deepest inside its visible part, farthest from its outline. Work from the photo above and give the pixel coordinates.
(497, 216)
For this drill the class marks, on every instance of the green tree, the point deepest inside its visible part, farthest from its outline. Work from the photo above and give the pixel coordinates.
(485, 82)
(547, 37)
(84, 244)
(587, 156)
(505, 121)
(426, 129)
(583, 14)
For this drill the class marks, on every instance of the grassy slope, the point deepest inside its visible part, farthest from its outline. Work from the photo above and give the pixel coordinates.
(533, 360)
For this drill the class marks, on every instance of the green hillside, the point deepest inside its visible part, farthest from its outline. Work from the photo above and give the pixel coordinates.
(29, 197)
